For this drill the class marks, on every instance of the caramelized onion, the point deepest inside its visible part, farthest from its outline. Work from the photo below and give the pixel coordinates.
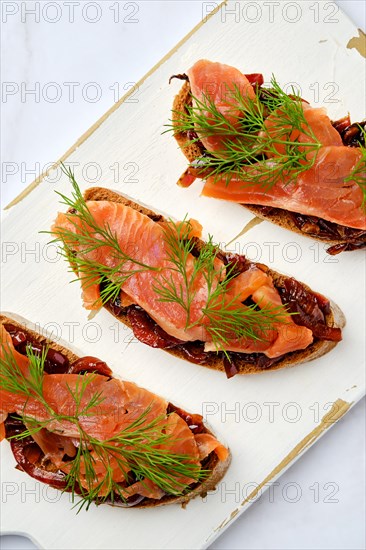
(55, 363)
(194, 421)
(347, 246)
(341, 124)
(186, 179)
(13, 426)
(18, 338)
(354, 239)
(353, 135)
(256, 79)
(90, 364)
(147, 331)
(258, 359)
(237, 262)
(309, 314)
(230, 367)
(194, 352)
(27, 455)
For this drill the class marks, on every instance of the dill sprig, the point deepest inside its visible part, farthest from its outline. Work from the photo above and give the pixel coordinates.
(180, 245)
(230, 320)
(87, 238)
(252, 151)
(358, 174)
(12, 378)
(224, 319)
(178, 280)
(30, 387)
(142, 448)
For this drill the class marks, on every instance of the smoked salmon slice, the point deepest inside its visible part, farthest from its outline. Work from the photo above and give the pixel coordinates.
(66, 411)
(218, 83)
(142, 238)
(325, 185)
(184, 295)
(320, 191)
(147, 244)
(285, 337)
(319, 127)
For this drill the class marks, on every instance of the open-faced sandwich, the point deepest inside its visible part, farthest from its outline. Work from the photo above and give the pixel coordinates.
(184, 295)
(273, 153)
(74, 426)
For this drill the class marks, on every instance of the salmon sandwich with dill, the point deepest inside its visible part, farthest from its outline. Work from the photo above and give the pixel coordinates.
(273, 153)
(186, 296)
(74, 426)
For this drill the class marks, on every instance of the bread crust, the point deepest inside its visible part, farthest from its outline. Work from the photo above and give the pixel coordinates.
(318, 348)
(193, 151)
(218, 467)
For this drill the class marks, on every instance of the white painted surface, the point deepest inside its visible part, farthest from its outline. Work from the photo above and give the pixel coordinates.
(41, 131)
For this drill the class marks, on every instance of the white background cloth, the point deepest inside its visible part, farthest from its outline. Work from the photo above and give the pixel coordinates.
(330, 478)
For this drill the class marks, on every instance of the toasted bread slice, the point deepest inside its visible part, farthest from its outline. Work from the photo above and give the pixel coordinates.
(215, 361)
(193, 151)
(216, 467)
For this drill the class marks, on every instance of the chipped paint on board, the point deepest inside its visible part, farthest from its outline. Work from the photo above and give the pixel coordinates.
(252, 223)
(339, 408)
(358, 43)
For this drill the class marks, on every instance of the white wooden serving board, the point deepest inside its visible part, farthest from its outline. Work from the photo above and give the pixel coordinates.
(305, 401)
